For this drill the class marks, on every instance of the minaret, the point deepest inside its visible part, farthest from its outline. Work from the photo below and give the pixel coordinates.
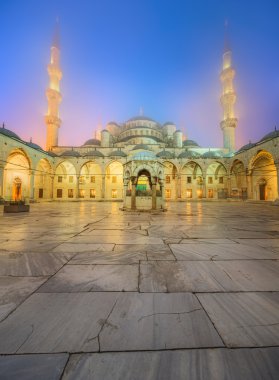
(228, 98)
(53, 94)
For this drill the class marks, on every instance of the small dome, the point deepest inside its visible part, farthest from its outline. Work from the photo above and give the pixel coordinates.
(271, 135)
(168, 123)
(92, 142)
(144, 156)
(165, 154)
(117, 153)
(178, 131)
(33, 145)
(141, 146)
(93, 153)
(7, 132)
(246, 147)
(211, 154)
(190, 143)
(52, 154)
(189, 154)
(70, 153)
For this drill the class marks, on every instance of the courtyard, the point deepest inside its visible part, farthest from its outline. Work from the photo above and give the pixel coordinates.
(88, 291)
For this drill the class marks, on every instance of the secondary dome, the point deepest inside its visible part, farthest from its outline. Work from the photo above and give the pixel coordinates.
(94, 153)
(141, 146)
(144, 156)
(117, 153)
(190, 143)
(271, 135)
(165, 154)
(33, 145)
(189, 154)
(92, 142)
(70, 153)
(7, 132)
(246, 147)
(211, 154)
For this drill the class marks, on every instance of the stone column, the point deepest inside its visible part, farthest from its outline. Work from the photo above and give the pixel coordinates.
(276, 163)
(31, 191)
(133, 194)
(162, 189)
(154, 198)
(125, 186)
(103, 186)
(229, 187)
(1, 181)
(51, 190)
(77, 187)
(249, 184)
(178, 190)
(204, 186)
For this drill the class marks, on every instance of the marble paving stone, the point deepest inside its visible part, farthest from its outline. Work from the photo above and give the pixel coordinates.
(201, 364)
(31, 264)
(244, 319)
(29, 245)
(167, 231)
(260, 242)
(220, 252)
(110, 257)
(78, 248)
(31, 367)
(93, 278)
(114, 232)
(252, 275)
(60, 323)
(208, 276)
(13, 290)
(147, 251)
(207, 241)
(183, 276)
(157, 321)
(126, 238)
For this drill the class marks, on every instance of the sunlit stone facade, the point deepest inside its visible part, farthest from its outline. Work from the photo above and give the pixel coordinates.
(140, 162)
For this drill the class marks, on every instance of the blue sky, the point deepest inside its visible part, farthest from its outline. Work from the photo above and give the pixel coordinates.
(118, 56)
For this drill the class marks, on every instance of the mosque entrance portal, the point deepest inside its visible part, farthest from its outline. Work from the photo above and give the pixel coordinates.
(17, 189)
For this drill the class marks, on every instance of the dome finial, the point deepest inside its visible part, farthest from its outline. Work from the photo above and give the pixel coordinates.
(141, 111)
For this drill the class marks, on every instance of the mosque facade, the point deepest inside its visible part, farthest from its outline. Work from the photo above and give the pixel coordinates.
(140, 162)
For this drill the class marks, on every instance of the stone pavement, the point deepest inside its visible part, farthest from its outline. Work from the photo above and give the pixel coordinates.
(91, 292)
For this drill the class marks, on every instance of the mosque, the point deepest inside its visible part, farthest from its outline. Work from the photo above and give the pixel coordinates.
(140, 162)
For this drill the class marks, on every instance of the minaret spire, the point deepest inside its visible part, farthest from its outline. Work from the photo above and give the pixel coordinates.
(228, 98)
(53, 94)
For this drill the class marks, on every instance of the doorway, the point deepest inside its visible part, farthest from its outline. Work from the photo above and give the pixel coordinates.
(262, 189)
(17, 189)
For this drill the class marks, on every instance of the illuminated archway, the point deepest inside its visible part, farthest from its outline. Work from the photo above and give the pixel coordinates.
(90, 186)
(264, 176)
(17, 176)
(114, 181)
(43, 181)
(191, 180)
(65, 184)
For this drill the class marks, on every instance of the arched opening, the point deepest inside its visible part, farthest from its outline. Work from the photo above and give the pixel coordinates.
(238, 185)
(216, 181)
(114, 181)
(143, 183)
(172, 181)
(43, 183)
(17, 176)
(90, 181)
(65, 181)
(264, 177)
(191, 181)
